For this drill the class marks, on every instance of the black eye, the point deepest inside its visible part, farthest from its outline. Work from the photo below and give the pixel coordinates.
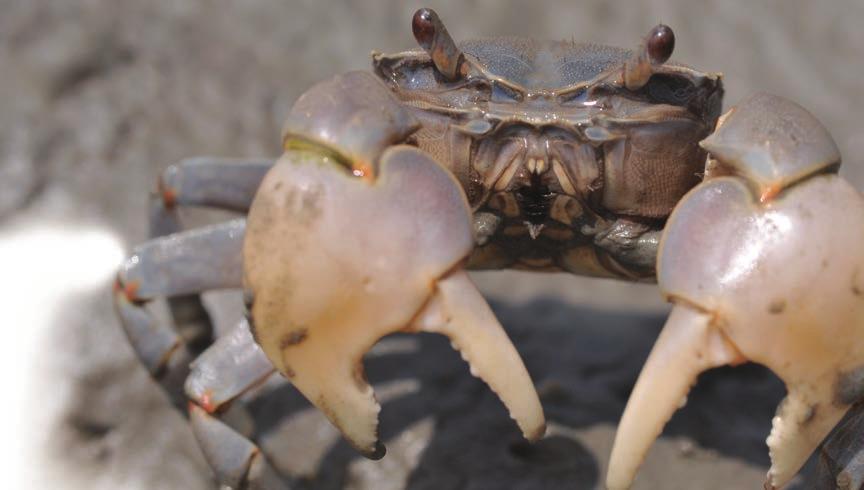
(667, 89)
(423, 25)
(660, 44)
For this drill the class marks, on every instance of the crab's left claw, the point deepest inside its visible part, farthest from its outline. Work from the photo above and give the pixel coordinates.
(337, 259)
(763, 264)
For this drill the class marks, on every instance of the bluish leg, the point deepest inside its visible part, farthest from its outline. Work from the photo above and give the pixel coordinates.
(230, 367)
(221, 183)
(177, 265)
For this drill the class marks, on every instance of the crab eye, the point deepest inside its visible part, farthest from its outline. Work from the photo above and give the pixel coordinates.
(655, 50)
(423, 27)
(660, 44)
(666, 89)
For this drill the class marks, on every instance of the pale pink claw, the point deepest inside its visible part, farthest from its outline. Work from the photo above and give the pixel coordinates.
(778, 281)
(458, 311)
(335, 262)
(779, 284)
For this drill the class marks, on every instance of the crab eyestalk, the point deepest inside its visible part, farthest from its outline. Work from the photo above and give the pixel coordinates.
(435, 40)
(654, 51)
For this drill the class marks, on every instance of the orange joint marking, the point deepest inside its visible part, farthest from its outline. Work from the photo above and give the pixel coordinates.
(169, 198)
(363, 171)
(131, 291)
(169, 194)
(207, 402)
(769, 193)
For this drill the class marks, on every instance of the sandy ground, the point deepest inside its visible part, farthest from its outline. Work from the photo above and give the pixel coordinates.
(98, 95)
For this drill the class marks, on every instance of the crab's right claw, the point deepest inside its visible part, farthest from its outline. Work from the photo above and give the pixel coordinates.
(764, 264)
(334, 261)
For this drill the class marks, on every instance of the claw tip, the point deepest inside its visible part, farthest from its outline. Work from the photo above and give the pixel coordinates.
(537, 434)
(377, 452)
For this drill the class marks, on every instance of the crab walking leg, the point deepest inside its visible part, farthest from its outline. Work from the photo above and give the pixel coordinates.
(228, 368)
(157, 345)
(335, 261)
(233, 365)
(180, 264)
(186, 262)
(841, 458)
(852, 476)
(221, 183)
(237, 461)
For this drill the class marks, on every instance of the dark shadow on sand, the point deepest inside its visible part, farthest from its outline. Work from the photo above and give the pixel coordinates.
(584, 363)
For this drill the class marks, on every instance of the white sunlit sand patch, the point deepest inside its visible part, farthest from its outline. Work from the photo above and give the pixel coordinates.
(41, 267)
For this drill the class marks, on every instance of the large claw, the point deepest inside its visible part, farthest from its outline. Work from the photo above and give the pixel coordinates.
(334, 262)
(765, 265)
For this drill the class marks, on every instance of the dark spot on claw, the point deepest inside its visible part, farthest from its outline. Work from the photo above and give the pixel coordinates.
(857, 289)
(423, 25)
(248, 298)
(360, 376)
(850, 386)
(293, 337)
(811, 414)
(378, 452)
(777, 306)
(660, 44)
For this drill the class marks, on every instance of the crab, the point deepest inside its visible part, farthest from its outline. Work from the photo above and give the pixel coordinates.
(513, 153)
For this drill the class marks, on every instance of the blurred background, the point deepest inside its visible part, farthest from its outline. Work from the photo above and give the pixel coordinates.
(97, 96)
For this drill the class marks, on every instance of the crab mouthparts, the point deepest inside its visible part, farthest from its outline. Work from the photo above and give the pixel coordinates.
(535, 201)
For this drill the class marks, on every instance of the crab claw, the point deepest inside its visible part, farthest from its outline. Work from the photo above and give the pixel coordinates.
(334, 262)
(777, 280)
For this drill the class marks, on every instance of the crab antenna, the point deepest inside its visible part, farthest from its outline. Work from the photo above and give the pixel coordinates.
(435, 40)
(654, 51)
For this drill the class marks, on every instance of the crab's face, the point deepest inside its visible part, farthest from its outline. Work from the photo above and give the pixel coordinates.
(616, 131)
